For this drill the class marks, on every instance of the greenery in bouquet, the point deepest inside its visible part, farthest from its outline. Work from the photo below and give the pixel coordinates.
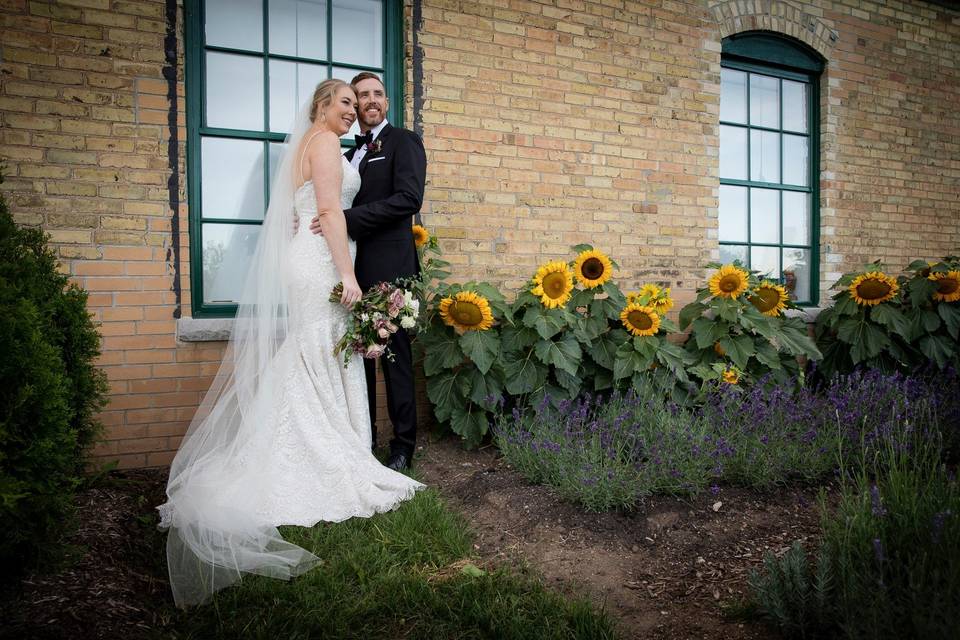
(382, 311)
(739, 331)
(893, 324)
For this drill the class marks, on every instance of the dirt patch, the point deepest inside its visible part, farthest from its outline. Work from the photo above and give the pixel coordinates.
(662, 571)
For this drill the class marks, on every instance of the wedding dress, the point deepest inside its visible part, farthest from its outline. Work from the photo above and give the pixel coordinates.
(283, 437)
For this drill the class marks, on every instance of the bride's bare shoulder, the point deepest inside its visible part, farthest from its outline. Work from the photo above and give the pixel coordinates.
(323, 143)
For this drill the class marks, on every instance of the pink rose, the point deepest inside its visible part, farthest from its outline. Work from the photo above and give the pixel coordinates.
(383, 333)
(374, 351)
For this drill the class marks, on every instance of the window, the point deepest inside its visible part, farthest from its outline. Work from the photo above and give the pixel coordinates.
(769, 148)
(250, 65)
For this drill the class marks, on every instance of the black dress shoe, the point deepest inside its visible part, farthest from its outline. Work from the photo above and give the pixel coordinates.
(398, 462)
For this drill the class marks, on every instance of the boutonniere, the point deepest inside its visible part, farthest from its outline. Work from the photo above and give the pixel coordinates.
(375, 146)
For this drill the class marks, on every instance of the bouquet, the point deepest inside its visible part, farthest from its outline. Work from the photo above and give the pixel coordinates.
(381, 312)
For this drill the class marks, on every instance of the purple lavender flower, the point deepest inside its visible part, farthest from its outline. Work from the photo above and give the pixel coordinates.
(877, 505)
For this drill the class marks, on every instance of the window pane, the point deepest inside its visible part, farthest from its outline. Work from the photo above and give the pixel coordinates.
(231, 172)
(764, 101)
(237, 24)
(234, 91)
(227, 250)
(766, 260)
(299, 28)
(733, 214)
(764, 156)
(276, 154)
(291, 85)
(733, 152)
(358, 32)
(733, 96)
(764, 215)
(796, 273)
(795, 106)
(796, 218)
(796, 160)
(729, 253)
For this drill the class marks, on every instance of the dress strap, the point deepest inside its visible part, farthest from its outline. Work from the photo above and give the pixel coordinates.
(303, 152)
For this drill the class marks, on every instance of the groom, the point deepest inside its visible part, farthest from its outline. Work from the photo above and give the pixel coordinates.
(393, 167)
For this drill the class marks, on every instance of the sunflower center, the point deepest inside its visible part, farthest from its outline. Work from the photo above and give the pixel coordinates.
(766, 299)
(730, 283)
(466, 313)
(873, 289)
(554, 284)
(592, 268)
(640, 320)
(946, 286)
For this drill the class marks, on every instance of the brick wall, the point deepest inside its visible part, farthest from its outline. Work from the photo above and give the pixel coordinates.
(547, 124)
(84, 113)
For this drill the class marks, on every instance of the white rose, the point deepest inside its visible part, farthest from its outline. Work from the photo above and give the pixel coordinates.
(408, 322)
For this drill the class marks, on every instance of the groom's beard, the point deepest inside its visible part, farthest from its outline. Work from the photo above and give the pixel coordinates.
(369, 120)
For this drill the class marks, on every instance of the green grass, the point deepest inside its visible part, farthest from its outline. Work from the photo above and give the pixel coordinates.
(403, 574)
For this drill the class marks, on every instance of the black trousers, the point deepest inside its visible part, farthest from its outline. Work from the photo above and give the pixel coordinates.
(401, 394)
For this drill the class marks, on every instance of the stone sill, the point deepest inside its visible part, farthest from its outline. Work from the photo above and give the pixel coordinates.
(218, 329)
(204, 329)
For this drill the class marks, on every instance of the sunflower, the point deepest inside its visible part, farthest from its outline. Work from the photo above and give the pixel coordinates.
(872, 288)
(728, 282)
(640, 320)
(420, 235)
(770, 299)
(731, 376)
(719, 350)
(553, 283)
(592, 268)
(948, 286)
(663, 303)
(651, 290)
(466, 311)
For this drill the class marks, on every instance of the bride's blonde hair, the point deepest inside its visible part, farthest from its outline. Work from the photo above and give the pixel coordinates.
(323, 95)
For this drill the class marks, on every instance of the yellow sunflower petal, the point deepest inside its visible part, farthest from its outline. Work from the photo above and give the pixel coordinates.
(420, 235)
(553, 284)
(466, 311)
(731, 376)
(728, 282)
(640, 320)
(948, 285)
(592, 268)
(870, 289)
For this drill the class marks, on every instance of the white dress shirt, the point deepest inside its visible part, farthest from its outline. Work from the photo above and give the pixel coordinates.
(362, 151)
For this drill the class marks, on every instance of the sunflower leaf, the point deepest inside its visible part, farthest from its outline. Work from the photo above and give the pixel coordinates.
(705, 332)
(739, 349)
(623, 365)
(845, 306)
(727, 309)
(868, 341)
(485, 390)
(939, 349)
(614, 294)
(891, 318)
(603, 379)
(768, 355)
(931, 321)
(524, 373)
(951, 318)
(674, 358)
(921, 290)
(564, 354)
(446, 393)
(604, 350)
(482, 347)
(581, 298)
(690, 312)
(568, 381)
(516, 338)
(471, 424)
(580, 248)
(795, 340)
(442, 352)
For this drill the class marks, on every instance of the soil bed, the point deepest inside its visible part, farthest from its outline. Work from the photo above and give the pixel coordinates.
(662, 571)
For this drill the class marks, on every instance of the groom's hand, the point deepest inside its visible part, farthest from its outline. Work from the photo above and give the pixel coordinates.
(315, 226)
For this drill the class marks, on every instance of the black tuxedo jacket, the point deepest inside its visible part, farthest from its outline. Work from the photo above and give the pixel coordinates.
(391, 192)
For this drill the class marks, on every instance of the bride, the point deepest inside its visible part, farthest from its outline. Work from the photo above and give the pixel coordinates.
(283, 435)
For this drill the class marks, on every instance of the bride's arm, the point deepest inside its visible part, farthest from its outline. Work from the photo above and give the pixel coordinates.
(326, 171)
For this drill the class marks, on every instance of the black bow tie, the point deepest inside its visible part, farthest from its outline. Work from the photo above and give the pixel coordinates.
(366, 138)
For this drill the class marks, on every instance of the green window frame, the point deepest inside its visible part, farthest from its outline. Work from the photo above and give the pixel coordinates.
(199, 132)
(760, 198)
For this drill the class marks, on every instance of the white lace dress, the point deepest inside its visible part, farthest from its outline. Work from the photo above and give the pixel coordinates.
(313, 461)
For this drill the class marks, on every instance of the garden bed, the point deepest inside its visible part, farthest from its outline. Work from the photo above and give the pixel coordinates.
(662, 571)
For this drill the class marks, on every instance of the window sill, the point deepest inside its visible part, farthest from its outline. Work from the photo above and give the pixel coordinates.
(204, 329)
